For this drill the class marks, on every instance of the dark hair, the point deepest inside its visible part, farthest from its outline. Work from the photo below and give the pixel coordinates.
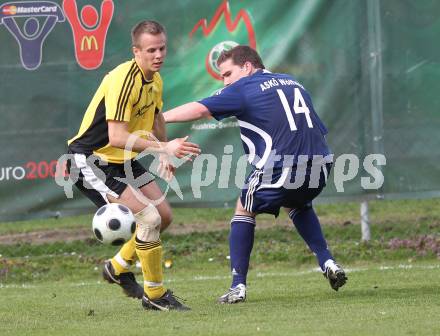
(146, 27)
(240, 55)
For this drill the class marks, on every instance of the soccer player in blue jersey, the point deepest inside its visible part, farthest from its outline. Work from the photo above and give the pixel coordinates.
(285, 143)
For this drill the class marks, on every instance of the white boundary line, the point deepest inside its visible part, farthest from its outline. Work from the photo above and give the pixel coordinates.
(226, 277)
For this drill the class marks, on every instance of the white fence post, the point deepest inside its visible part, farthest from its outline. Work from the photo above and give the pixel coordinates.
(365, 222)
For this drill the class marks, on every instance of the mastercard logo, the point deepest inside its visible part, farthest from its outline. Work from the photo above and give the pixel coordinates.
(9, 10)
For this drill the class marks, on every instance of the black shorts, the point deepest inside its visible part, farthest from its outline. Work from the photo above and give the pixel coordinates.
(96, 179)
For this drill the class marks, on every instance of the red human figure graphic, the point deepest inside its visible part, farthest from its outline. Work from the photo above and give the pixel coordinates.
(89, 35)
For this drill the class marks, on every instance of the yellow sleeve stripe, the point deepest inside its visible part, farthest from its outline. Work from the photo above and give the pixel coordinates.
(125, 92)
(131, 83)
(121, 94)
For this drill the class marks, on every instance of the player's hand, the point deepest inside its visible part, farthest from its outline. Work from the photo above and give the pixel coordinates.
(166, 170)
(181, 148)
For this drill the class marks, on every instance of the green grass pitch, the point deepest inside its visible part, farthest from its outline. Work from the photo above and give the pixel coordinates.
(55, 287)
(392, 300)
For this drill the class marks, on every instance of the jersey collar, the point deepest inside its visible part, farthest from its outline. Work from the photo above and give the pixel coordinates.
(144, 78)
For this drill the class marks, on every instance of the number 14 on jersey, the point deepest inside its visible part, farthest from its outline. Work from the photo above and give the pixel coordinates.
(299, 106)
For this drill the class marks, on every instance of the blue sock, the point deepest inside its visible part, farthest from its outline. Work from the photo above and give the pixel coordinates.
(308, 226)
(241, 241)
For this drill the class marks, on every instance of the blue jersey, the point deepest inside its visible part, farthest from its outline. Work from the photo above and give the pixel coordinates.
(278, 123)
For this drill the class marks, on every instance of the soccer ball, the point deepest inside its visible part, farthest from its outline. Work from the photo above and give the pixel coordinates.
(113, 224)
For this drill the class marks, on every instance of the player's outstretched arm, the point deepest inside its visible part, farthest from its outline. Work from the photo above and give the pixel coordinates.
(120, 137)
(187, 112)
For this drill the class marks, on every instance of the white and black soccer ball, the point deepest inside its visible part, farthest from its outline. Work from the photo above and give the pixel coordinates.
(113, 224)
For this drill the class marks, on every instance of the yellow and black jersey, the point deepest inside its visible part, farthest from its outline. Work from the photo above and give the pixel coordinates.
(124, 95)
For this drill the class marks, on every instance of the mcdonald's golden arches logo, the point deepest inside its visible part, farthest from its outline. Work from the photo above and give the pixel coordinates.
(87, 42)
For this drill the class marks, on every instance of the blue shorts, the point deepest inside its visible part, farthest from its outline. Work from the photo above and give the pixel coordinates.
(267, 192)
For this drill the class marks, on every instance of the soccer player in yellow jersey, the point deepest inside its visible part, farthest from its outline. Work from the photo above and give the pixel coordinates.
(126, 105)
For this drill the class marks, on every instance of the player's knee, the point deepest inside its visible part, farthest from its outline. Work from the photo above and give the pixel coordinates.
(148, 222)
(303, 208)
(306, 206)
(166, 219)
(296, 211)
